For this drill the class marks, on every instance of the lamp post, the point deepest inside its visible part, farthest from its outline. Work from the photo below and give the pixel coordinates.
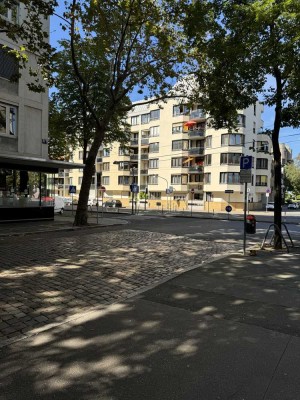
(166, 190)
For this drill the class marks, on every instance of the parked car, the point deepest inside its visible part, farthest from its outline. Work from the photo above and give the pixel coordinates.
(59, 205)
(270, 206)
(293, 205)
(113, 203)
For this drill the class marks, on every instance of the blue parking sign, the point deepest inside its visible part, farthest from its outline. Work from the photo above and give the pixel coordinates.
(246, 162)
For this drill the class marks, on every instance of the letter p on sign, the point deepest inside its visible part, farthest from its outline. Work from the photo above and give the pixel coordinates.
(246, 162)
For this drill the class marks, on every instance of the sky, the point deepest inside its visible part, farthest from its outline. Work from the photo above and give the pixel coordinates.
(289, 136)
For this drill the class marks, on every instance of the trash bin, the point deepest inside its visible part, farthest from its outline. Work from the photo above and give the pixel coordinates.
(250, 224)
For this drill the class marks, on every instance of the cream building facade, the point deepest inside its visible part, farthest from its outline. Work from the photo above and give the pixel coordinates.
(177, 159)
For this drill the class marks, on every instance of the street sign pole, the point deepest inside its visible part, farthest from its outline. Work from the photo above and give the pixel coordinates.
(245, 210)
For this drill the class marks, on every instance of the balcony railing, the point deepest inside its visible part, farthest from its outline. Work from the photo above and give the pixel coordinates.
(144, 142)
(144, 156)
(196, 169)
(134, 157)
(143, 187)
(196, 133)
(134, 142)
(196, 150)
(144, 172)
(197, 114)
(195, 185)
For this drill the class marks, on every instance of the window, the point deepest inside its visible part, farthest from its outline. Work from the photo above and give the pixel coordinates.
(261, 180)
(254, 109)
(262, 146)
(179, 179)
(231, 178)
(180, 145)
(196, 178)
(154, 147)
(155, 195)
(80, 155)
(254, 127)
(207, 178)
(208, 141)
(178, 162)
(8, 120)
(155, 114)
(123, 166)
(11, 13)
(154, 131)
(123, 180)
(177, 128)
(181, 109)
(9, 68)
(79, 180)
(207, 159)
(105, 166)
(105, 180)
(152, 179)
(241, 120)
(106, 152)
(122, 152)
(179, 197)
(153, 163)
(232, 139)
(135, 120)
(145, 118)
(230, 158)
(262, 163)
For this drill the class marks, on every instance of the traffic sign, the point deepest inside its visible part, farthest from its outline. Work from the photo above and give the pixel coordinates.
(192, 190)
(134, 188)
(103, 188)
(245, 176)
(72, 189)
(268, 190)
(246, 162)
(229, 191)
(228, 209)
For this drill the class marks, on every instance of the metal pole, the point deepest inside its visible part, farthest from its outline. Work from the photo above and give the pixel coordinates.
(96, 193)
(245, 209)
(102, 201)
(132, 193)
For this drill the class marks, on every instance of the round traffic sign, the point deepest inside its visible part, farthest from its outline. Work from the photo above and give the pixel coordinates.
(228, 208)
(103, 188)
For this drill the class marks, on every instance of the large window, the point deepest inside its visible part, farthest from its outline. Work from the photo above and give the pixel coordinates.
(8, 120)
(180, 145)
(154, 147)
(155, 114)
(208, 140)
(135, 120)
(230, 158)
(123, 166)
(105, 180)
(145, 118)
(231, 178)
(123, 180)
(105, 166)
(178, 162)
(155, 195)
(262, 146)
(207, 159)
(152, 179)
(8, 66)
(181, 109)
(106, 152)
(10, 13)
(241, 120)
(122, 151)
(261, 180)
(154, 131)
(177, 128)
(179, 179)
(153, 163)
(207, 178)
(232, 139)
(262, 163)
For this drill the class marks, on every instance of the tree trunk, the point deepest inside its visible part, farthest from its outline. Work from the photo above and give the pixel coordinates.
(81, 216)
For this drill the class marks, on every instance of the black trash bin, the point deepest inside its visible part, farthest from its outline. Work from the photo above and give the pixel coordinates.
(250, 224)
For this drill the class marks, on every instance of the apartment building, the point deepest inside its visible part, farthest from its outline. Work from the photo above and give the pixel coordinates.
(26, 173)
(176, 158)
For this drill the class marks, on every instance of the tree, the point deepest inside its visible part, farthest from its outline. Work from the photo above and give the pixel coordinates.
(29, 34)
(118, 47)
(248, 50)
(292, 178)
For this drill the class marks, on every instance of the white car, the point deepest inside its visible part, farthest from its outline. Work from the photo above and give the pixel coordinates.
(270, 206)
(59, 205)
(293, 205)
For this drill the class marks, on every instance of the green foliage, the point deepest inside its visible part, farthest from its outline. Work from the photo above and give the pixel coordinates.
(30, 36)
(292, 178)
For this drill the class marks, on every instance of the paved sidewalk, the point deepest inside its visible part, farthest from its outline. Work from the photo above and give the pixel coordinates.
(228, 329)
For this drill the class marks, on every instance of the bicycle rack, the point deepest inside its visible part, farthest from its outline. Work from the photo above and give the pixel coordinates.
(280, 234)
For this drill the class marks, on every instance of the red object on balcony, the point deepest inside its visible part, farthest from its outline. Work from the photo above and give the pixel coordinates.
(190, 123)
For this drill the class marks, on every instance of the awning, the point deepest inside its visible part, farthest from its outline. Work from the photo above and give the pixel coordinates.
(35, 164)
(190, 123)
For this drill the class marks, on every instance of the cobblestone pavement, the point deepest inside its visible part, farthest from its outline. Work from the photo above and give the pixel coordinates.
(49, 280)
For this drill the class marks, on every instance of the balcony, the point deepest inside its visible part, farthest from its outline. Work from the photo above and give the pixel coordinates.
(144, 142)
(195, 151)
(134, 142)
(195, 185)
(134, 157)
(144, 172)
(195, 133)
(143, 187)
(196, 169)
(144, 156)
(63, 175)
(197, 115)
